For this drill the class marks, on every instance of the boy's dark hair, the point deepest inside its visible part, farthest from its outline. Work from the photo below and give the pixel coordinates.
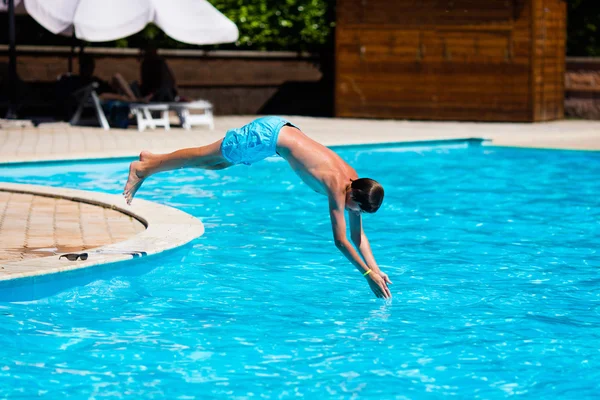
(367, 193)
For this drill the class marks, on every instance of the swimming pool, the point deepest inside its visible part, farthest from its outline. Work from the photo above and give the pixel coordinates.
(493, 255)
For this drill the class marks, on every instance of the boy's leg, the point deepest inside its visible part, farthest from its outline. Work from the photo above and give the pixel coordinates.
(194, 157)
(207, 157)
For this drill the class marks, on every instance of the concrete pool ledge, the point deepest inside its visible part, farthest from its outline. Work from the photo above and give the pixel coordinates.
(166, 229)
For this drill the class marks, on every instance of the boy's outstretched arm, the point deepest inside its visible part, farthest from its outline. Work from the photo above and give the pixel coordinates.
(338, 224)
(359, 238)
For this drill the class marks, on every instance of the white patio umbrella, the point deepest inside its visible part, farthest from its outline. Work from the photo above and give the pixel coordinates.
(188, 21)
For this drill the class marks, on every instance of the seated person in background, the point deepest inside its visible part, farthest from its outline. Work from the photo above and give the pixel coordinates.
(112, 94)
(69, 84)
(157, 79)
(118, 89)
(24, 92)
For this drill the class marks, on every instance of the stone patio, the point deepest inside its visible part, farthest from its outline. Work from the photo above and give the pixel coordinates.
(41, 215)
(62, 142)
(37, 226)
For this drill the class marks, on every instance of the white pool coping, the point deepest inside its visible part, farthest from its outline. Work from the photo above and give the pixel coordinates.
(166, 228)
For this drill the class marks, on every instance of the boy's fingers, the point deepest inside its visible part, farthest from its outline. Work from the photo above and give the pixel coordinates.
(387, 292)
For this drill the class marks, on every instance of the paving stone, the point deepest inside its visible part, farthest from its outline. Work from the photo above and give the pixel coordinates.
(27, 226)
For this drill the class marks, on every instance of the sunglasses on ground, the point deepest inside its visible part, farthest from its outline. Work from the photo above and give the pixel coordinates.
(73, 256)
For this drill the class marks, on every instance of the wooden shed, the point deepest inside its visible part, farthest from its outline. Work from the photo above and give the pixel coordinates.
(469, 60)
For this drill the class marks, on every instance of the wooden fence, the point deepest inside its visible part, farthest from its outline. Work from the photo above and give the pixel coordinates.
(236, 82)
(492, 60)
(258, 83)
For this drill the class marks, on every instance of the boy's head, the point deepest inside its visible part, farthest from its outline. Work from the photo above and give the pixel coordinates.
(364, 195)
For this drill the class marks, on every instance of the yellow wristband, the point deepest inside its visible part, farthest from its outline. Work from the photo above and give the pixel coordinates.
(367, 273)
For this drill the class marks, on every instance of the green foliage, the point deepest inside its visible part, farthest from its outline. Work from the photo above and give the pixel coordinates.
(583, 38)
(263, 25)
(280, 24)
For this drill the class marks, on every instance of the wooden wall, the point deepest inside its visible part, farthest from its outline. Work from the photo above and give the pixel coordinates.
(582, 88)
(492, 60)
(237, 83)
(549, 63)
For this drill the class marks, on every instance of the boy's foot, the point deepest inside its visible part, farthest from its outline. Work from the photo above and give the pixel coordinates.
(138, 171)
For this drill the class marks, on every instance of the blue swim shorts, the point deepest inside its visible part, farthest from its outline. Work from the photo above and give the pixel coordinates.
(253, 142)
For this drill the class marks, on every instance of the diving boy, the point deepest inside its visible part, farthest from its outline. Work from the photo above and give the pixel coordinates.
(319, 167)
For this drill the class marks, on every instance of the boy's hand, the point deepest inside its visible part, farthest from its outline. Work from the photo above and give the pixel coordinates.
(378, 283)
(385, 277)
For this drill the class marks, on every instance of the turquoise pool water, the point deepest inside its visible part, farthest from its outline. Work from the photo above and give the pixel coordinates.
(493, 253)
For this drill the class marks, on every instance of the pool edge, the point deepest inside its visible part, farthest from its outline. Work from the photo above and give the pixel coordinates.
(470, 141)
(161, 221)
(167, 228)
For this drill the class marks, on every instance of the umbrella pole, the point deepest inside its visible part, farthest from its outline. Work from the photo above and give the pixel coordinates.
(12, 63)
(73, 45)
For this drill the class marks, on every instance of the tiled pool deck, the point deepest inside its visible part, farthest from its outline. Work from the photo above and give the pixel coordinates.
(165, 228)
(37, 226)
(64, 142)
(30, 222)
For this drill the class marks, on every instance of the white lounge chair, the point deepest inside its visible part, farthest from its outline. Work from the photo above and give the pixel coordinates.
(143, 113)
(88, 98)
(188, 119)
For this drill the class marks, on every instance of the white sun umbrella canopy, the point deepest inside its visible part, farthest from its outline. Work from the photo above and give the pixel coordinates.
(188, 21)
